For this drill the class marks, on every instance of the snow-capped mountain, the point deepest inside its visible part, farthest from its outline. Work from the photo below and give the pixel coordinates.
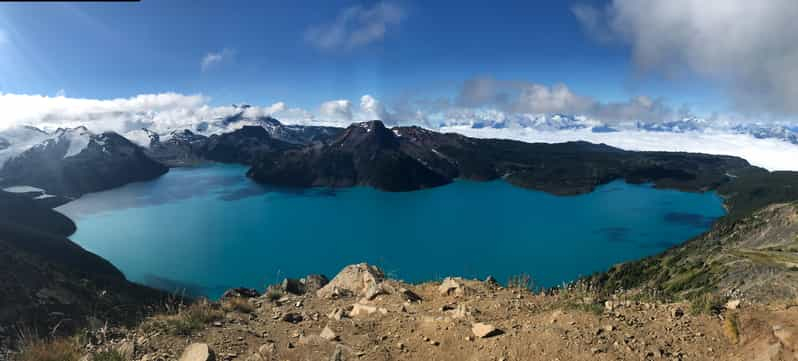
(689, 124)
(763, 132)
(547, 122)
(71, 162)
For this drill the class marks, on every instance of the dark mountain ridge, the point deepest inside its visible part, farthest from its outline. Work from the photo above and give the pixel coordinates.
(49, 280)
(411, 158)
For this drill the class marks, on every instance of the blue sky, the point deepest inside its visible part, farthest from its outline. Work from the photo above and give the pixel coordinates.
(107, 50)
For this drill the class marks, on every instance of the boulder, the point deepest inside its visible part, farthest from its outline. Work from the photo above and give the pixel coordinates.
(358, 279)
(484, 330)
(241, 292)
(453, 286)
(198, 352)
(293, 286)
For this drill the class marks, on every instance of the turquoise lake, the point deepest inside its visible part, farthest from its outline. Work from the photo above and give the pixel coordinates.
(210, 228)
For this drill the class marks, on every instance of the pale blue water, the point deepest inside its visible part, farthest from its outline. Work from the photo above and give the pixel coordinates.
(210, 228)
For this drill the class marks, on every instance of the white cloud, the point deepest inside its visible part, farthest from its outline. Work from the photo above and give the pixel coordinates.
(356, 26)
(212, 60)
(767, 153)
(745, 46)
(159, 112)
(373, 109)
(336, 110)
(523, 97)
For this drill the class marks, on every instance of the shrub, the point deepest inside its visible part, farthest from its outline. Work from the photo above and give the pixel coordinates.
(187, 321)
(273, 294)
(110, 355)
(63, 349)
(238, 304)
(707, 303)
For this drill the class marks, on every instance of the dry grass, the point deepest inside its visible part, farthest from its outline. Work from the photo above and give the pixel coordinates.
(63, 349)
(730, 328)
(110, 355)
(238, 304)
(273, 294)
(186, 321)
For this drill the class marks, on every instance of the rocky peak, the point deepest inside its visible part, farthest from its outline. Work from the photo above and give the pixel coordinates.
(362, 136)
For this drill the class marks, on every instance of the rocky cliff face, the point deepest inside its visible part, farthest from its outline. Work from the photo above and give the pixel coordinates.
(73, 162)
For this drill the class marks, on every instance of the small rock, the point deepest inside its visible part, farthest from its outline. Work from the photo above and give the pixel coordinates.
(732, 304)
(409, 295)
(359, 309)
(328, 334)
(292, 317)
(198, 352)
(337, 314)
(491, 281)
(677, 312)
(484, 330)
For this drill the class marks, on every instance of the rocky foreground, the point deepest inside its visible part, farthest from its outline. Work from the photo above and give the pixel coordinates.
(361, 315)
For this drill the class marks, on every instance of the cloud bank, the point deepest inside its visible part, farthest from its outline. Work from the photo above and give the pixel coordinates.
(356, 26)
(746, 46)
(523, 97)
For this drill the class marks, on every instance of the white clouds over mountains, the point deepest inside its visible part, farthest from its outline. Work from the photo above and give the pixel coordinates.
(165, 112)
(747, 47)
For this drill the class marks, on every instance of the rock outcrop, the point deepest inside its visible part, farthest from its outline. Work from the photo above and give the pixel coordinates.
(354, 280)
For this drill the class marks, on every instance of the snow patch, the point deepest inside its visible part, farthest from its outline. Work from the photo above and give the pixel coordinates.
(78, 138)
(23, 189)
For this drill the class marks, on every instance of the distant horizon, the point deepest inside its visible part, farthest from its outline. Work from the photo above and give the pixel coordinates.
(669, 75)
